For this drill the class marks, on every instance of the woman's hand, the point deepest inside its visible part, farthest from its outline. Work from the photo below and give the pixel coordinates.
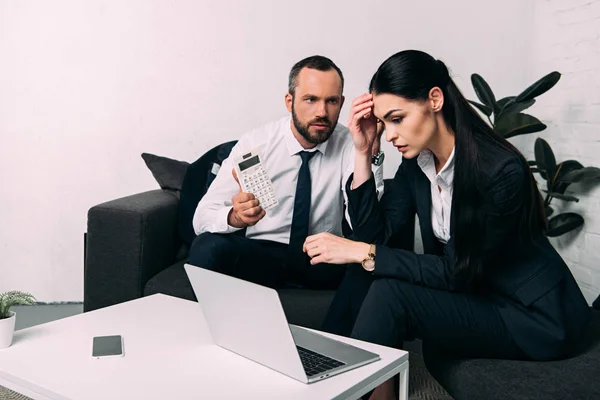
(328, 248)
(363, 125)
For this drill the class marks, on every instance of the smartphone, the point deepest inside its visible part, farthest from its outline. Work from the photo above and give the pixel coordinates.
(254, 178)
(107, 346)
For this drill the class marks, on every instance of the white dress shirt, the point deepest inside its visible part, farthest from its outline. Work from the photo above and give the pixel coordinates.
(441, 201)
(329, 170)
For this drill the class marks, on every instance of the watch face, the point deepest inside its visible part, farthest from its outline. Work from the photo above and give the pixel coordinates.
(369, 265)
(377, 160)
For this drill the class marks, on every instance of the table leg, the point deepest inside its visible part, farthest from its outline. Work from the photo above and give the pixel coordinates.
(403, 390)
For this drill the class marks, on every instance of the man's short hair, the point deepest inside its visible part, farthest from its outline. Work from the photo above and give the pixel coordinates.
(313, 62)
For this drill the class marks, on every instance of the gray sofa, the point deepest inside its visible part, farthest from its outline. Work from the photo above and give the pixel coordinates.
(132, 250)
(575, 378)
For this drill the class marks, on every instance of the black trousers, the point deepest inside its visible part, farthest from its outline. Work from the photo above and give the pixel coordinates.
(348, 300)
(394, 311)
(263, 262)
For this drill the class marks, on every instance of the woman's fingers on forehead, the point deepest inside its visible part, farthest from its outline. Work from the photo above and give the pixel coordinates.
(362, 98)
(362, 106)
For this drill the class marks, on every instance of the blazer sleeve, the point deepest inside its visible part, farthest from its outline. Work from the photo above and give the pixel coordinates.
(374, 220)
(500, 210)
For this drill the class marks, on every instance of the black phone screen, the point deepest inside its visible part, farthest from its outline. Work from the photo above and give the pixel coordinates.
(107, 346)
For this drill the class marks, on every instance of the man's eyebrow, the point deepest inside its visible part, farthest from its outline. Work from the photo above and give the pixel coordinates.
(312, 96)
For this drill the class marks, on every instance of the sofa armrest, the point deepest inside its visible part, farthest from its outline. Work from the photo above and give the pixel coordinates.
(128, 241)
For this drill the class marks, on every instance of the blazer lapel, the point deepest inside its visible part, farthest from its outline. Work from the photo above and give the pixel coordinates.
(423, 202)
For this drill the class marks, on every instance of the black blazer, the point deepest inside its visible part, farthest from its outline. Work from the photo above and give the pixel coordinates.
(533, 288)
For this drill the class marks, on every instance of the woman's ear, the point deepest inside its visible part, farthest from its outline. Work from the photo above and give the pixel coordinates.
(436, 99)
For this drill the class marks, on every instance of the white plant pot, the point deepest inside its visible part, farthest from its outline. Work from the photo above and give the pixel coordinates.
(7, 329)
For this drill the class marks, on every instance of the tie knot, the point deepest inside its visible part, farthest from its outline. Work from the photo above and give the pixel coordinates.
(307, 155)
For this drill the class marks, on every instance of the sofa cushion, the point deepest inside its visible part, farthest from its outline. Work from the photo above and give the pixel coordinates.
(169, 173)
(572, 378)
(306, 307)
(199, 176)
(172, 281)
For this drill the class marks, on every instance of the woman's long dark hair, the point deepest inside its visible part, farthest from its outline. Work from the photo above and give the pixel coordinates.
(412, 74)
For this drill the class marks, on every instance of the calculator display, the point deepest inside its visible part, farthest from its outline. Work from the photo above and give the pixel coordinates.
(253, 178)
(249, 163)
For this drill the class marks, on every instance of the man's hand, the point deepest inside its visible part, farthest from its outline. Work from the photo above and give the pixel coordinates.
(246, 210)
(328, 248)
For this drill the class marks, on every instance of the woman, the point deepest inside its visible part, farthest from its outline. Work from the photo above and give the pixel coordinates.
(489, 284)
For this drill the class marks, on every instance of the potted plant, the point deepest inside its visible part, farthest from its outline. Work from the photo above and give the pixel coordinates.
(7, 317)
(558, 177)
(509, 121)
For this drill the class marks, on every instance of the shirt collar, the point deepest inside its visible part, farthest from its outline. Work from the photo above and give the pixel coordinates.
(292, 143)
(427, 164)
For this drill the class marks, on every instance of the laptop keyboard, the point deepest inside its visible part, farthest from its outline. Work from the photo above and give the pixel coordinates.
(315, 363)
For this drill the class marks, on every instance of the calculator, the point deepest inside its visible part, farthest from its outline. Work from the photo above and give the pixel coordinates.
(254, 179)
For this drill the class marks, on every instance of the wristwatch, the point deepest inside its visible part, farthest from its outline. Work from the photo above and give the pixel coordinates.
(369, 263)
(377, 159)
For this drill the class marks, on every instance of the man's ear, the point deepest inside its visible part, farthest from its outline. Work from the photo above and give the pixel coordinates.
(436, 99)
(289, 99)
(342, 102)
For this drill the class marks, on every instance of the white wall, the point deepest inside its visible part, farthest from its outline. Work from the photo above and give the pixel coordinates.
(87, 86)
(566, 38)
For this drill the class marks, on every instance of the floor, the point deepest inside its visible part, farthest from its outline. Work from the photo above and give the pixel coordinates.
(28, 316)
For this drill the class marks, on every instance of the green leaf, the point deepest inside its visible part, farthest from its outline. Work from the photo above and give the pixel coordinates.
(503, 102)
(531, 162)
(548, 211)
(540, 87)
(483, 91)
(580, 175)
(515, 107)
(518, 124)
(483, 108)
(564, 168)
(13, 298)
(563, 223)
(544, 156)
(565, 197)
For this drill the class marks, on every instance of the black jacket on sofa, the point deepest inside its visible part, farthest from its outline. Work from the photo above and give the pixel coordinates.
(537, 296)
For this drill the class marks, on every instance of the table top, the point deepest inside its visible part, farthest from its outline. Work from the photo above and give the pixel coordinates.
(169, 353)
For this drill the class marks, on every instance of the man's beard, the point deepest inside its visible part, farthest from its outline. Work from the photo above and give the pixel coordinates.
(319, 136)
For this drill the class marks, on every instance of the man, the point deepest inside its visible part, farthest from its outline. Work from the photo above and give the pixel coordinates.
(309, 157)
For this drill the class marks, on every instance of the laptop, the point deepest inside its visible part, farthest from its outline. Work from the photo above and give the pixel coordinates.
(248, 319)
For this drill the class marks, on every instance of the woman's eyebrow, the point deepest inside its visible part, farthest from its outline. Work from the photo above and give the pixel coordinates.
(389, 112)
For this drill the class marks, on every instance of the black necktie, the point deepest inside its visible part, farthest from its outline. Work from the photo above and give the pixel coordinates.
(301, 217)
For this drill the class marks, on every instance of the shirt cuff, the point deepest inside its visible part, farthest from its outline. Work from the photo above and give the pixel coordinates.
(379, 181)
(223, 226)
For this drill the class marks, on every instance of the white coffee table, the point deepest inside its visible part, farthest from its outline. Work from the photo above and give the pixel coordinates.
(168, 354)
